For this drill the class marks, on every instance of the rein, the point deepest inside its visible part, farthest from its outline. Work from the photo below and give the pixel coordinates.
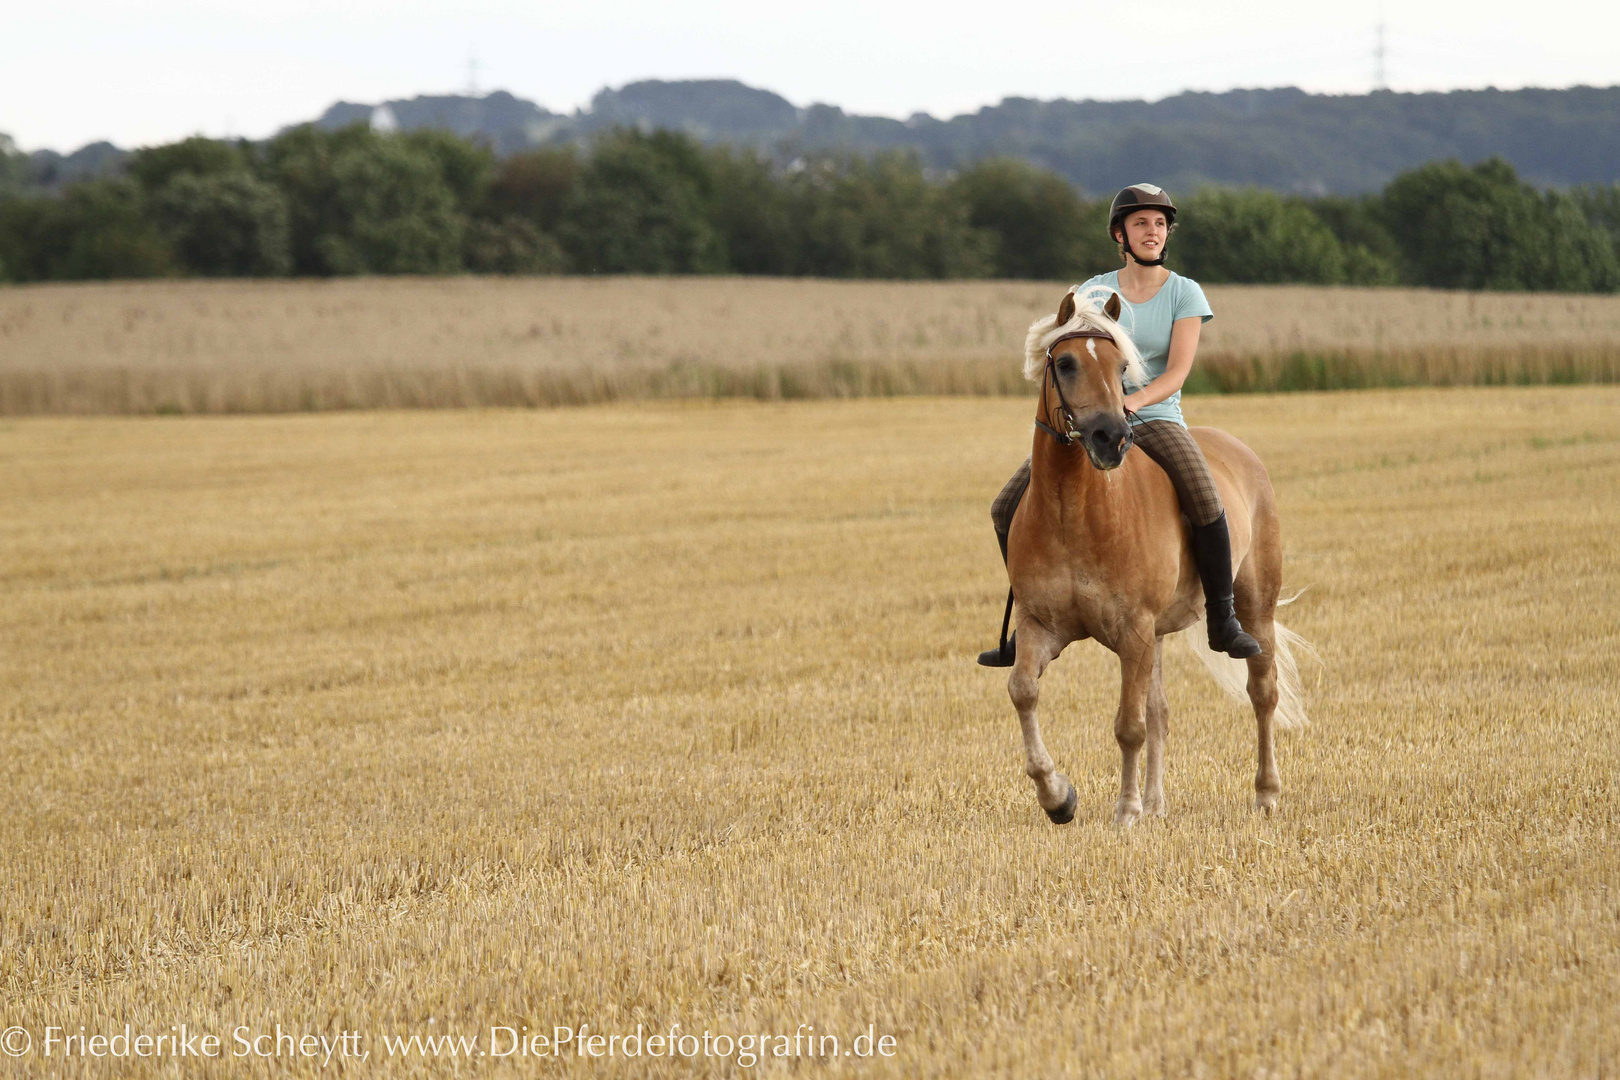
(1049, 373)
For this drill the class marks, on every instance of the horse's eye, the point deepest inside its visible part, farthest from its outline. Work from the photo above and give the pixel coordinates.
(1066, 365)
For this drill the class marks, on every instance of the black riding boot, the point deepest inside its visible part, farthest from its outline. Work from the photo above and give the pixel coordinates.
(1212, 553)
(1004, 654)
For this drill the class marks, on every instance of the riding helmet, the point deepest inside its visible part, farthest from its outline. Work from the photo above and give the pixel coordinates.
(1140, 197)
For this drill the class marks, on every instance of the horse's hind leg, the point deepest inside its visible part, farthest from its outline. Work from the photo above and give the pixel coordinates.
(1037, 647)
(1263, 696)
(1257, 585)
(1158, 728)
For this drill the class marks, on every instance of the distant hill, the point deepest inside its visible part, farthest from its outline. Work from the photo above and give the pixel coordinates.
(47, 168)
(508, 123)
(1286, 139)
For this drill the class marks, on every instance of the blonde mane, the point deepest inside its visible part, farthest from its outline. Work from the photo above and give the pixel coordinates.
(1088, 315)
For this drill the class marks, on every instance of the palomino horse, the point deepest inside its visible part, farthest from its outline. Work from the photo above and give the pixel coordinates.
(1099, 549)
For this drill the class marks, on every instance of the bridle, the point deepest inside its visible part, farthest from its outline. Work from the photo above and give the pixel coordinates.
(1050, 373)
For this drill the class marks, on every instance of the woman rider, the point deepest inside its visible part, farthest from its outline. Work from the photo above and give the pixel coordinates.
(1164, 313)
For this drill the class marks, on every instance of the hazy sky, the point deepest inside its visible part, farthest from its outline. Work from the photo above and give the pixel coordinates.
(146, 71)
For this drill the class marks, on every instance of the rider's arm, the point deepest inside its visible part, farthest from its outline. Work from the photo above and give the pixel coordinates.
(1183, 345)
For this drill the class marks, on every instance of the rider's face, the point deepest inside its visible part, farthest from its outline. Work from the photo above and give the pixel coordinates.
(1147, 231)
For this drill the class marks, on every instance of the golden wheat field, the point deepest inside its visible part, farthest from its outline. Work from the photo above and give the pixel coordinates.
(391, 724)
(280, 346)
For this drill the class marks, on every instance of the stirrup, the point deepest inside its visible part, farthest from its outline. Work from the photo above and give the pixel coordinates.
(1003, 655)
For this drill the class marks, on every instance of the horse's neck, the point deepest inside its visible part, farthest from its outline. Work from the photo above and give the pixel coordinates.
(1082, 499)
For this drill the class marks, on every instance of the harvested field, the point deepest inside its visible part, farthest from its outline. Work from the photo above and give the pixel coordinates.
(428, 723)
(279, 346)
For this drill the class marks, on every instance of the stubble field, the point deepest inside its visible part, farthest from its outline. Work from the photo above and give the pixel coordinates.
(425, 723)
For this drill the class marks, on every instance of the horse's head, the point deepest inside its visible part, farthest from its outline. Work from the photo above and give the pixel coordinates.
(1083, 357)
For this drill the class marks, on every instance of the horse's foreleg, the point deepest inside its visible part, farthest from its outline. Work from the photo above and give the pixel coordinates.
(1158, 728)
(1037, 647)
(1130, 723)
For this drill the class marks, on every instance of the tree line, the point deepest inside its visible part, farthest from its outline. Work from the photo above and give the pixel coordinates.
(320, 203)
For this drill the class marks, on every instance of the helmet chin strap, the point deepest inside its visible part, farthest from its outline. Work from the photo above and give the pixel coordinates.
(1126, 240)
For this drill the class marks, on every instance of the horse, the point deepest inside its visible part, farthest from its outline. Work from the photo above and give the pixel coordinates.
(1099, 549)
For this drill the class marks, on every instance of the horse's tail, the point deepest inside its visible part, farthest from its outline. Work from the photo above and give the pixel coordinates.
(1233, 675)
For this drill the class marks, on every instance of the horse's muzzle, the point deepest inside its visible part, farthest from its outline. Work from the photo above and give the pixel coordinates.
(1106, 438)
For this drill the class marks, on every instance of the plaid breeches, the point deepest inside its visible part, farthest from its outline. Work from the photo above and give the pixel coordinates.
(1166, 443)
(1178, 455)
(1001, 511)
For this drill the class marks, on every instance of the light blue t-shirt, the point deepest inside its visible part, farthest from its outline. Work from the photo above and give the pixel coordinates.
(1149, 325)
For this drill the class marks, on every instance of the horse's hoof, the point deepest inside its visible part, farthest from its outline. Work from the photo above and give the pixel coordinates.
(1125, 816)
(1065, 813)
(1265, 804)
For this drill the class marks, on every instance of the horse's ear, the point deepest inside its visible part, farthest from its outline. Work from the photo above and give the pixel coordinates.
(1111, 309)
(1066, 309)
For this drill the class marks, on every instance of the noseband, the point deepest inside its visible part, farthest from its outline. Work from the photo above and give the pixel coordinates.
(1050, 373)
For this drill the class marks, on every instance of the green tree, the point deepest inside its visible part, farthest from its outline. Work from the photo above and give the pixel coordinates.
(1581, 255)
(230, 224)
(879, 217)
(99, 229)
(1468, 228)
(13, 166)
(514, 230)
(467, 168)
(640, 207)
(754, 213)
(1041, 225)
(536, 185)
(154, 166)
(400, 214)
(1601, 205)
(512, 245)
(361, 202)
(299, 163)
(1371, 256)
(1255, 236)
